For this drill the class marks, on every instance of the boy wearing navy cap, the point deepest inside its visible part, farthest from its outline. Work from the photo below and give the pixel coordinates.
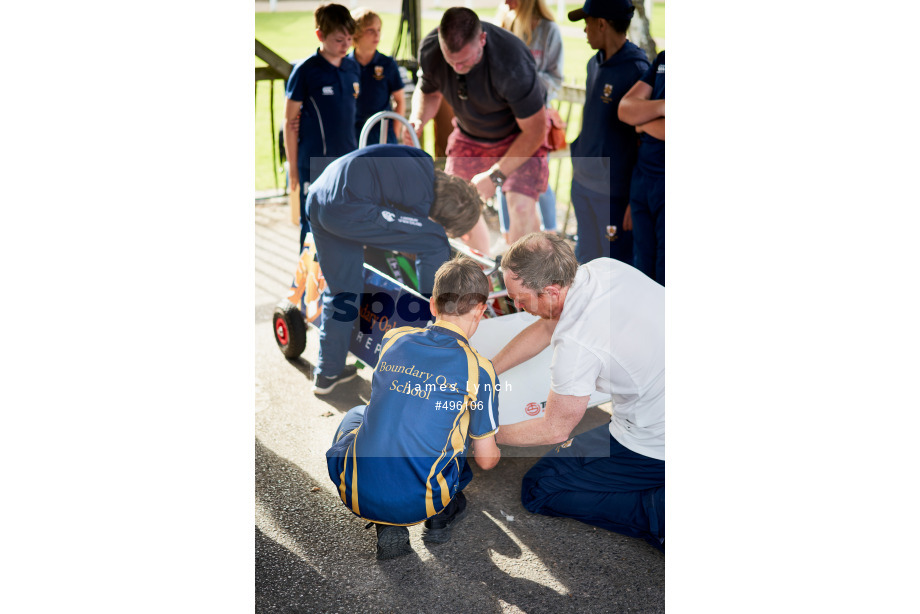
(604, 153)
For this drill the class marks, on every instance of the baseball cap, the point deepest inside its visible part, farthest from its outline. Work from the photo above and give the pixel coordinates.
(605, 9)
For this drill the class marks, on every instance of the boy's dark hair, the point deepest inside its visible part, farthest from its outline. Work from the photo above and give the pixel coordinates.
(459, 285)
(456, 204)
(620, 26)
(541, 259)
(459, 27)
(332, 18)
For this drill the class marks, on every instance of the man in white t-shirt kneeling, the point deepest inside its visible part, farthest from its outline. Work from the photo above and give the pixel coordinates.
(605, 322)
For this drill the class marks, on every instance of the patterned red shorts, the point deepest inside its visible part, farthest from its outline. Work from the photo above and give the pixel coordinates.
(467, 157)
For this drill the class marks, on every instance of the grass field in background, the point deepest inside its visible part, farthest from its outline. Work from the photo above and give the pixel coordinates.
(291, 36)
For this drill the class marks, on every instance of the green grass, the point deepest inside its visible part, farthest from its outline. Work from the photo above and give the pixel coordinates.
(656, 20)
(291, 36)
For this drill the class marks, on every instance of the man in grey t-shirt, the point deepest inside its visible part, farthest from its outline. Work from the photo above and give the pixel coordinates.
(489, 78)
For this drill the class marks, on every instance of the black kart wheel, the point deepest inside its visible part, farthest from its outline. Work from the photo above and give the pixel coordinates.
(290, 329)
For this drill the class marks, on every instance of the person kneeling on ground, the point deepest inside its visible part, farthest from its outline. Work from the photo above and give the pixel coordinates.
(431, 394)
(605, 323)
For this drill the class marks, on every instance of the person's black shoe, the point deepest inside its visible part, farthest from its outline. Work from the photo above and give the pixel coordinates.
(324, 385)
(392, 541)
(437, 528)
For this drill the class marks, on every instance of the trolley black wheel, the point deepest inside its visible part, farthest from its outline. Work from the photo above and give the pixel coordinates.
(290, 329)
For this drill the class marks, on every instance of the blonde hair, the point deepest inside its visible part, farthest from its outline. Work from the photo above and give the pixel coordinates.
(363, 17)
(520, 21)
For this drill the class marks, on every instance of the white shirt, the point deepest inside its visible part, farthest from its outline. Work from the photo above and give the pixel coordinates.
(610, 337)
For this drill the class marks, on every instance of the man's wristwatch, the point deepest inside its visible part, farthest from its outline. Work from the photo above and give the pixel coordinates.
(497, 177)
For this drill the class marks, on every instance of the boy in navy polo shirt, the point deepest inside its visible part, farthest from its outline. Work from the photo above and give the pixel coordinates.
(643, 107)
(322, 90)
(604, 153)
(401, 459)
(379, 78)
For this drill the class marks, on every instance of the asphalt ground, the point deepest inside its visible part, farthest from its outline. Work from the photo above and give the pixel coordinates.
(314, 555)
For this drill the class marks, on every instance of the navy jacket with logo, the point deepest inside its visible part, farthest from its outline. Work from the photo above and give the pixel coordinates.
(385, 189)
(362, 182)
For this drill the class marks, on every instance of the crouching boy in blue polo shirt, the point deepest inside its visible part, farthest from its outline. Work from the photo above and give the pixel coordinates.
(401, 459)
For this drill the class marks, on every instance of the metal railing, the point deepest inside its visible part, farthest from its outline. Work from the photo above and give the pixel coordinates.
(278, 69)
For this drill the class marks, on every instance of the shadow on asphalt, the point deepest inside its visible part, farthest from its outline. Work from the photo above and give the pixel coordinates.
(304, 366)
(314, 555)
(476, 549)
(343, 397)
(281, 577)
(290, 575)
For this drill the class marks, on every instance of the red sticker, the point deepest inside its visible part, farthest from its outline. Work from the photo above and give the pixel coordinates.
(532, 409)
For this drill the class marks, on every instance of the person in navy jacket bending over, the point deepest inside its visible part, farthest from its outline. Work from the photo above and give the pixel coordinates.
(388, 197)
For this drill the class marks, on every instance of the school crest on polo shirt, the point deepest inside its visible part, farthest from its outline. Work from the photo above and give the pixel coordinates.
(608, 89)
(378, 72)
(357, 88)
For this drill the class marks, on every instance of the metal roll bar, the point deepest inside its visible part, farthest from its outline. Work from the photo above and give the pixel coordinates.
(382, 117)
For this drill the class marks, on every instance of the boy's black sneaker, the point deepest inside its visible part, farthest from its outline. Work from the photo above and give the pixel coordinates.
(324, 385)
(392, 541)
(437, 528)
